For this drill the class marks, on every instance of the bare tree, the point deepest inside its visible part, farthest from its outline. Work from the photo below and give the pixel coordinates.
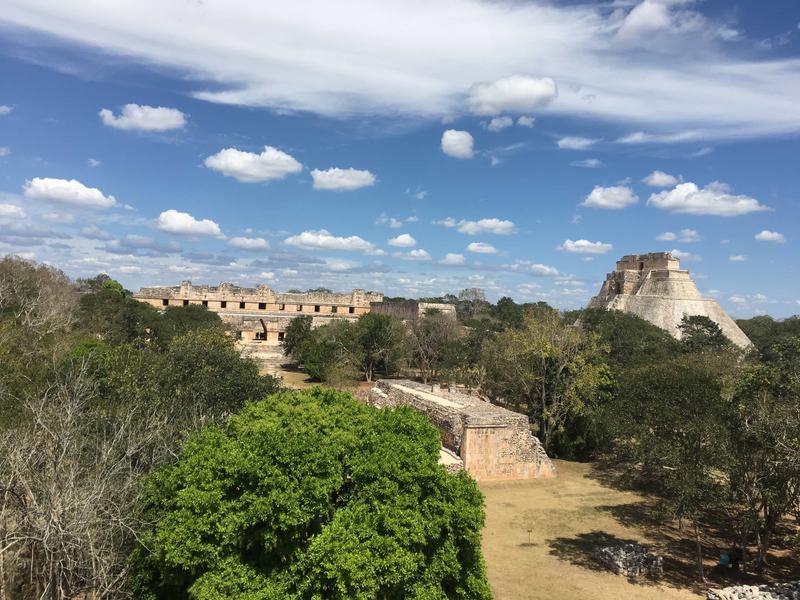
(68, 484)
(39, 298)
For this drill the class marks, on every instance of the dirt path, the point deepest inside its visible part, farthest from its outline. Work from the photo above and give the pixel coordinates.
(539, 534)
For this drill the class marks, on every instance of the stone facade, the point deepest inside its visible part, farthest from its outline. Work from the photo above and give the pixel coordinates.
(493, 443)
(655, 288)
(774, 591)
(410, 310)
(260, 313)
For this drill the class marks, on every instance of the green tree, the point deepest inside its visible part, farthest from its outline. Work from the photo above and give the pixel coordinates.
(176, 321)
(380, 340)
(332, 353)
(312, 495)
(550, 370)
(671, 417)
(430, 342)
(701, 334)
(297, 333)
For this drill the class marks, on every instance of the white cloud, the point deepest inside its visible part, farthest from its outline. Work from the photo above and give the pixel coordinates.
(686, 236)
(144, 118)
(95, 233)
(770, 236)
(585, 247)
(249, 167)
(325, 240)
(246, 243)
(70, 192)
(129, 269)
(342, 179)
(404, 240)
(10, 211)
(458, 144)
(418, 254)
(515, 93)
(575, 143)
(492, 225)
(660, 179)
(614, 197)
(452, 258)
(319, 64)
(57, 217)
(526, 121)
(93, 162)
(499, 123)
(181, 223)
(531, 268)
(714, 199)
(482, 248)
(4, 151)
(738, 258)
(267, 275)
(587, 163)
(685, 256)
(5, 109)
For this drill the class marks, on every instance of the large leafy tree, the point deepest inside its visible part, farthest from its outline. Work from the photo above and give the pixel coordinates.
(312, 495)
(701, 334)
(671, 416)
(547, 368)
(380, 338)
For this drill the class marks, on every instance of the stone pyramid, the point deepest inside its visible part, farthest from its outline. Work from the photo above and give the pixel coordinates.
(654, 287)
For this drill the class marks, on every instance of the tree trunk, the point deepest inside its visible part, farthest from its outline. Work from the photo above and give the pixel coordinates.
(700, 572)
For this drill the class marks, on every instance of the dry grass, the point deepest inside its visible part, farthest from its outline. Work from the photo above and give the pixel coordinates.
(539, 536)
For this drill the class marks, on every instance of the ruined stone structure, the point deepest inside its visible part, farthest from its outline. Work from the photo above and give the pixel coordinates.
(654, 287)
(410, 310)
(492, 442)
(260, 313)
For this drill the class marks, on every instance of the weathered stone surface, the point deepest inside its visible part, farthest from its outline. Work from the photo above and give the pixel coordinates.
(493, 443)
(630, 560)
(655, 288)
(776, 591)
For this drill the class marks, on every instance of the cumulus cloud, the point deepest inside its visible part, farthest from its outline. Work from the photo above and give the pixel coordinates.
(246, 243)
(5, 109)
(482, 248)
(93, 162)
(418, 254)
(714, 199)
(614, 197)
(499, 123)
(575, 143)
(685, 256)
(585, 247)
(249, 167)
(404, 240)
(660, 179)
(93, 232)
(181, 223)
(770, 236)
(526, 121)
(515, 93)
(140, 245)
(453, 259)
(11, 211)
(491, 225)
(325, 240)
(4, 151)
(738, 258)
(587, 163)
(138, 117)
(458, 144)
(531, 268)
(578, 42)
(685, 236)
(341, 179)
(58, 217)
(65, 191)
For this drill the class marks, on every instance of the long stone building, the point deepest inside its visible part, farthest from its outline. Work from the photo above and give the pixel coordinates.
(260, 313)
(654, 287)
(491, 443)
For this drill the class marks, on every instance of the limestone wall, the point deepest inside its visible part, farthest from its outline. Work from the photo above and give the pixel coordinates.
(493, 443)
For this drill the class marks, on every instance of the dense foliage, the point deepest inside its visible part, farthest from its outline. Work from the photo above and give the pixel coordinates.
(312, 495)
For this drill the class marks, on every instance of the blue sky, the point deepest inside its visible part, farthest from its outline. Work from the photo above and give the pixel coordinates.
(413, 148)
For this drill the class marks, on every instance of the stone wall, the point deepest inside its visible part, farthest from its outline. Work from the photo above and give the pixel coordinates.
(409, 310)
(493, 443)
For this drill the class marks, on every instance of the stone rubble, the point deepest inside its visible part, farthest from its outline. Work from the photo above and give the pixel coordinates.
(776, 591)
(630, 560)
